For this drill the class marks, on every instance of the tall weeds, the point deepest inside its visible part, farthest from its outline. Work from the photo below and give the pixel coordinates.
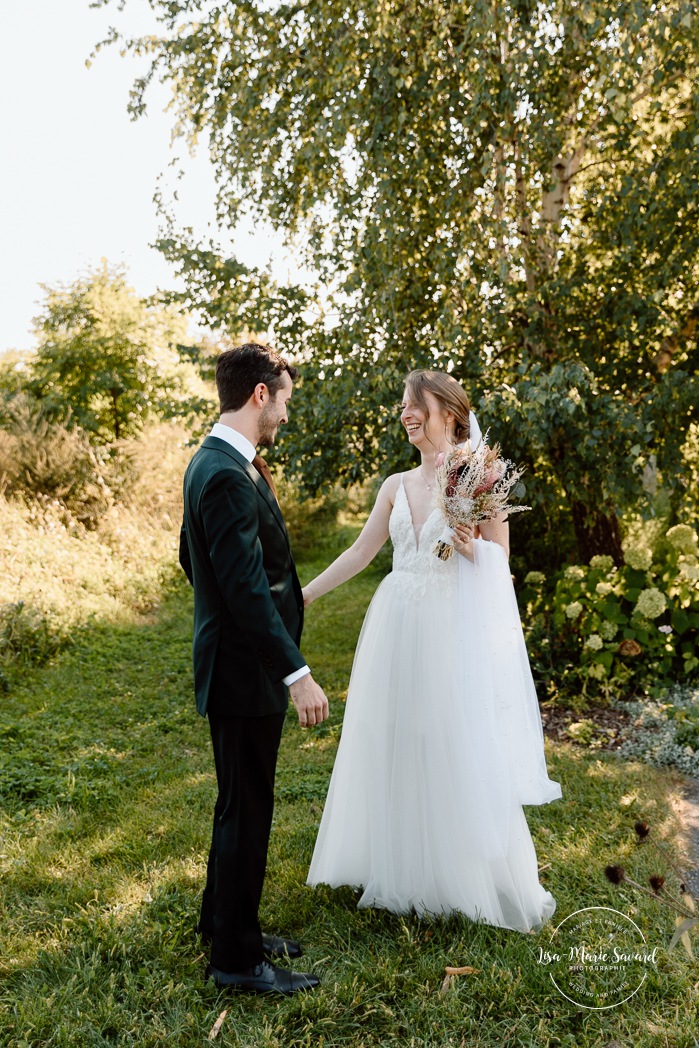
(59, 569)
(42, 460)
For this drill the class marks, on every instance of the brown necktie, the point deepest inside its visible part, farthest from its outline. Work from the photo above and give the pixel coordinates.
(265, 472)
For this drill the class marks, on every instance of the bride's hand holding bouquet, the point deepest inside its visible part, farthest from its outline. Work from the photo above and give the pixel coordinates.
(472, 487)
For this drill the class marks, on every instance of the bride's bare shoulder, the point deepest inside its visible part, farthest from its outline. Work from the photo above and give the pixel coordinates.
(410, 476)
(390, 486)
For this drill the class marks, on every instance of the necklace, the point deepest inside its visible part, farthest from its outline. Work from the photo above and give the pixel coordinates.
(422, 474)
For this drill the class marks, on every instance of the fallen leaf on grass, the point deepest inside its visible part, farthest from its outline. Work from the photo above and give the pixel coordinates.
(453, 972)
(213, 1032)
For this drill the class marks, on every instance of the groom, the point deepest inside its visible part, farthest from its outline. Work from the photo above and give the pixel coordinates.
(248, 615)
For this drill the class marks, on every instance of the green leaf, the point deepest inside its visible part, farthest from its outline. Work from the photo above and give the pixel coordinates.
(679, 621)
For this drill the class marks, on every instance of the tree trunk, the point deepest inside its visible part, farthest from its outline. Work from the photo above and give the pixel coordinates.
(596, 533)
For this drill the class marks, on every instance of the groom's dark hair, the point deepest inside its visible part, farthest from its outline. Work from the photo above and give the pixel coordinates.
(239, 370)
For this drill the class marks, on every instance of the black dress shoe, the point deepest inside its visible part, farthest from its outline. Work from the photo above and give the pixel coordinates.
(263, 978)
(273, 945)
(278, 946)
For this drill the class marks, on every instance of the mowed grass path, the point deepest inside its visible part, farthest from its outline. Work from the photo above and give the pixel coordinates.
(107, 790)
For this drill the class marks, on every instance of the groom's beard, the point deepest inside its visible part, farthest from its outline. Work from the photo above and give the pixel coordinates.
(269, 424)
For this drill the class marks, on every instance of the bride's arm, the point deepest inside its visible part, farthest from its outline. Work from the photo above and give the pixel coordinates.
(362, 551)
(497, 530)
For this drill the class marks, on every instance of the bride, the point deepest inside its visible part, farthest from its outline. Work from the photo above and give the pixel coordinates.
(441, 741)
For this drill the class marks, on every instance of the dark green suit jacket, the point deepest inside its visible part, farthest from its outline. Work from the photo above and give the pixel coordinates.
(248, 606)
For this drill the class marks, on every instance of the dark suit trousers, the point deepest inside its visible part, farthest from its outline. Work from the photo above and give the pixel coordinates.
(245, 754)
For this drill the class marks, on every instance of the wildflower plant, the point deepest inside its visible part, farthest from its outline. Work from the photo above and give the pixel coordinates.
(677, 898)
(602, 631)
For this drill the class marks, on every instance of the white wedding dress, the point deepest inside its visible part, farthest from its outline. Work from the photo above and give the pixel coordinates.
(441, 743)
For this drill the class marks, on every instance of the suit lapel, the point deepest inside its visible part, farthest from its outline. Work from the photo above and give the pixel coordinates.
(216, 444)
(266, 492)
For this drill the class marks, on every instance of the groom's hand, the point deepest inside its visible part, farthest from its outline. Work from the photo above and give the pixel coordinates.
(309, 700)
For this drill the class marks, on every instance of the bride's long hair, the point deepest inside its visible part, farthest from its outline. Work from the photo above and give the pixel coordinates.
(448, 392)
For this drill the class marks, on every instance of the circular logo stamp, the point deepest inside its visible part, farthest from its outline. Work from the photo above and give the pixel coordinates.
(597, 957)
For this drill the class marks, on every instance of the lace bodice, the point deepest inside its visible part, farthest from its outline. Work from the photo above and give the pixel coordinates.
(415, 566)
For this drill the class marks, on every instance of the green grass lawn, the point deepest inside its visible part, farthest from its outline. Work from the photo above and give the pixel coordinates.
(107, 789)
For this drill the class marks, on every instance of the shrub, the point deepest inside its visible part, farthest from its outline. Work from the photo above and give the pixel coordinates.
(26, 635)
(309, 520)
(59, 570)
(665, 731)
(56, 574)
(146, 472)
(44, 460)
(601, 631)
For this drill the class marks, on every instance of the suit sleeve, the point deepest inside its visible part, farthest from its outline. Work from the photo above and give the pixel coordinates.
(229, 509)
(185, 556)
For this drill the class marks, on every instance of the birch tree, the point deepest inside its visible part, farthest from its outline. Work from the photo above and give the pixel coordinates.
(504, 189)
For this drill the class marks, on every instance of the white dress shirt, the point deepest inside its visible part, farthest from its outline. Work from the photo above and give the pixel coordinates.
(247, 450)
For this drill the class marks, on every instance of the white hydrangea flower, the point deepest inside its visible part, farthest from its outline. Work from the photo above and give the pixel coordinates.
(665, 629)
(683, 538)
(574, 572)
(574, 610)
(690, 571)
(602, 561)
(603, 588)
(594, 642)
(608, 630)
(534, 578)
(651, 603)
(640, 559)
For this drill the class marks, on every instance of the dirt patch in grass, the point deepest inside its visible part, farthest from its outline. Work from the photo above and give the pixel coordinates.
(613, 724)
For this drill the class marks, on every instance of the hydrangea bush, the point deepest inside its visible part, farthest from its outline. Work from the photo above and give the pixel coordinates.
(603, 631)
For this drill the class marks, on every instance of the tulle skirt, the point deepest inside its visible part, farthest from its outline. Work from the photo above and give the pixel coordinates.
(440, 748)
